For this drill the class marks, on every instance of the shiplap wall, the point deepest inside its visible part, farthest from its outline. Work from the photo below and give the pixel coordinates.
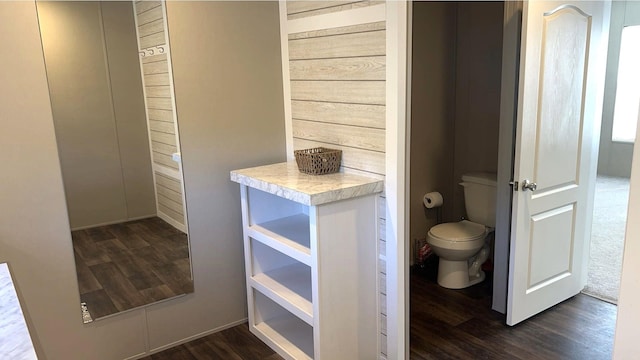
(337, 85)
(163, 134)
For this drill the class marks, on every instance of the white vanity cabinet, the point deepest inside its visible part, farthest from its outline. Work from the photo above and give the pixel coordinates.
(310, 257)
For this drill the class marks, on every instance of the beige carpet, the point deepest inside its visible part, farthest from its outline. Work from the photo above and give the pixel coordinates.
(607, 238)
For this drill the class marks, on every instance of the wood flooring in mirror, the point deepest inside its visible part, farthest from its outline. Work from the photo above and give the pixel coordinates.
(131, 264)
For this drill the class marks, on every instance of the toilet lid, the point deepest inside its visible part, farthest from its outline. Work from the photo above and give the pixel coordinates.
(459, 231)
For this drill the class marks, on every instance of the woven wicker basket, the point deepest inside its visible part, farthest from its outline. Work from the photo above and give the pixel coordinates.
(318, 161)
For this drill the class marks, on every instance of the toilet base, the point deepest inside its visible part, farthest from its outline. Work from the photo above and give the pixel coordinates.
(455, 275)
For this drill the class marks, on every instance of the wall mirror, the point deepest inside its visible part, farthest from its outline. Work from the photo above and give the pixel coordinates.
(111, 88)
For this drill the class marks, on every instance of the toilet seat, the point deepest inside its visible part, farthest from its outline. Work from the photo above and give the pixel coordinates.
(462, 231)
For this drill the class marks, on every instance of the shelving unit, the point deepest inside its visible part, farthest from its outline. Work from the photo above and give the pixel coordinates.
(289, 235)
(290, 287)
(311, 263)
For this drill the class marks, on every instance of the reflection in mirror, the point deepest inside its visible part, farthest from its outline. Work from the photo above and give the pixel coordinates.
(113, 108)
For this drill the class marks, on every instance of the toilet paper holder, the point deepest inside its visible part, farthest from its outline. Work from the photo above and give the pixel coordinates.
(432, 200)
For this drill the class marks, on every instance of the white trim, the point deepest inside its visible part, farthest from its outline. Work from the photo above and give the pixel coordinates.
(363, 15)
(286, 79)
(187, 339)
(379, 346)
(397, 24)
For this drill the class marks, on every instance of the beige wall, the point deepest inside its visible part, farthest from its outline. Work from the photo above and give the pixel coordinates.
(98, 108)
(128, 104)
(231, 103)
(34, 228)
(456, 80)
(228, 88)
(432, 111)
(478, 84)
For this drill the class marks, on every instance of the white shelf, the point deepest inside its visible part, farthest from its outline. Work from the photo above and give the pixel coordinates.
(291, 336)
(310, 266)
(289, 235)
(290, 287)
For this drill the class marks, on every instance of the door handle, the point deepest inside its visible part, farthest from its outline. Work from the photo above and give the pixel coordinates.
(528, 185)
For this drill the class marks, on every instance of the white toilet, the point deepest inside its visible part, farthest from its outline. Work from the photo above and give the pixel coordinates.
(461, 245)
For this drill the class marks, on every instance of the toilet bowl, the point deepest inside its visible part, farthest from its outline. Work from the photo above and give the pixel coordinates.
(461, 246)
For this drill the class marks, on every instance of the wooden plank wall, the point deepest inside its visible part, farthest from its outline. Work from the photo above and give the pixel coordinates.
(338, 93)
(163, 135)
(337, 87)
(302, 9)
(150, 22)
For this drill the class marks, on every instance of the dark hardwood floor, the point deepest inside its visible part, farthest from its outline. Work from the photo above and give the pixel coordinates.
(235, 343)
(459, 324)
(455, 324)
(131, 264)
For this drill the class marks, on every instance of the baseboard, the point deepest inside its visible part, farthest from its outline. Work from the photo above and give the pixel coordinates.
(187, 339)
(114, 222)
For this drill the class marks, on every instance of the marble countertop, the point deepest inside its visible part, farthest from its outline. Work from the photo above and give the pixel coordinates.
(285, 180)
(15, 341)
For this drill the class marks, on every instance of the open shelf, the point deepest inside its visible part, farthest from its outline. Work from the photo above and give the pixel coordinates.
(289, 336)
(290, 287)
(311, 288)
(289, 235)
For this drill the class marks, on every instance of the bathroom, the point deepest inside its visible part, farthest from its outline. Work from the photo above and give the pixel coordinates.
(455, 112)
(455, 131)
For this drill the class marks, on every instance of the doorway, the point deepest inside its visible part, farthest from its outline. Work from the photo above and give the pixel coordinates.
(455, 117)
(452, 134)
(620, 111)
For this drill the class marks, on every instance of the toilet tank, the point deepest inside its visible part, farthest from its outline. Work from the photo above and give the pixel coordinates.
(480, 197)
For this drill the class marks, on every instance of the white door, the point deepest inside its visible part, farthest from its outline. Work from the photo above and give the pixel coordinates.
(559, 107)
